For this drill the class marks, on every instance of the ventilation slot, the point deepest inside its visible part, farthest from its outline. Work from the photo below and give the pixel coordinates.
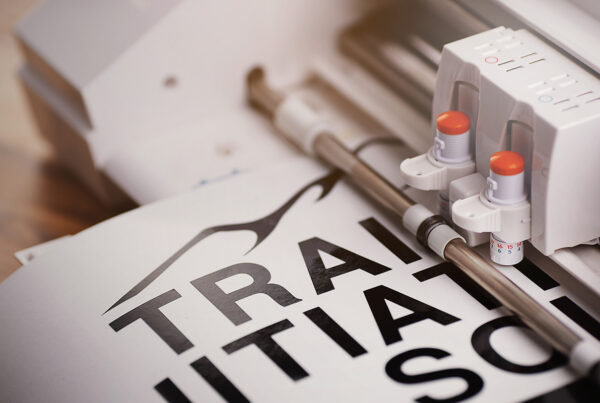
(506, 62)
(514, 68)
(483, 46)
(513, 45)
(570, 107)
(538, 60)
(545, 90)
(504, 39)
(593, 100)
(567, 83)
(529, 55)
(584, 94)
(562, 101)
(490, 52)
(538, 84)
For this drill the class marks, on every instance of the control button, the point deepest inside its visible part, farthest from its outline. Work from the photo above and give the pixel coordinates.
(507, 163)
(453, 122)
(491, 59)
(545, 98)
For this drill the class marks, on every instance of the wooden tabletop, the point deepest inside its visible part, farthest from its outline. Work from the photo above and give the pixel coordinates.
(39, 198)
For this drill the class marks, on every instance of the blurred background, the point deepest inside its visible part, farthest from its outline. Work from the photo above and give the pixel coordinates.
(39, 198)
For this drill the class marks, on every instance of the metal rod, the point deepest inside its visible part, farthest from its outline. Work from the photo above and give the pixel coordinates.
(538, 318)
(329, 149)
(260, 94)
(457, 251)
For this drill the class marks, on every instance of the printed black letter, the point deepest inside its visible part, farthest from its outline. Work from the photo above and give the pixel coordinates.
(226, 302)
(170, 392)
(217, 380)
(335, 331)
(394, 371)
(388, 326)
(150, 313)
(481, 343)
(390, 241)
(462, 280)
(263, 339)
(320, 276)
(578, 315)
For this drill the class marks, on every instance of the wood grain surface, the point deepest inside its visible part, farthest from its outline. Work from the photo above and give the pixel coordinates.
(39, 198)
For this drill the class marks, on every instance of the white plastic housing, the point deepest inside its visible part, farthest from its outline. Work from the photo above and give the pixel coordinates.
(526, 97)
(506, 189)
(462, 188)
(451, 148)
(426, 173)
(508, 222)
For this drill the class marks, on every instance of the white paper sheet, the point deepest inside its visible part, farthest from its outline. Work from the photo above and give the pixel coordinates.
(57, 343)
(27, 255)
